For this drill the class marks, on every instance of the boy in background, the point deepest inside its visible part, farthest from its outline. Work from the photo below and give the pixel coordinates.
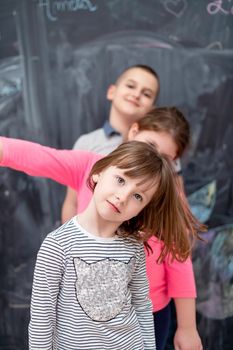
(132, 96)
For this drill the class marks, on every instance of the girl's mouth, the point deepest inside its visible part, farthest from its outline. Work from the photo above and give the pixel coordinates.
(114, 207)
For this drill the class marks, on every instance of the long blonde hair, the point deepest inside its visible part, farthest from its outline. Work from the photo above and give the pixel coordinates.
(167, 215)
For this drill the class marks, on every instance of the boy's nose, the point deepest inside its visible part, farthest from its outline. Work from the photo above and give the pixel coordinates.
(136, 93)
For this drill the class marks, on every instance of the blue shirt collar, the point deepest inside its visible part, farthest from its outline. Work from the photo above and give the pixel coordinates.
(108, 129)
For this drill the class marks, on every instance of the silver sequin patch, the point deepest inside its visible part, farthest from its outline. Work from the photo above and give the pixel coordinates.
(101, 287)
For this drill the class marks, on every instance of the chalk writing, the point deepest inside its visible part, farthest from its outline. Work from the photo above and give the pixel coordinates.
(175, 7)
(53, 7)
(217, 6)
(217, 45)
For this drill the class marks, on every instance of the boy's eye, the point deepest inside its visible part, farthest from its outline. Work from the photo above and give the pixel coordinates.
(131, 86)
(120, 180)
(138, 197)
(147, 94)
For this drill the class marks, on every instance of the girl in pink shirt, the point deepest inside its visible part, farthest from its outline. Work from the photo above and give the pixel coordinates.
(168, 130)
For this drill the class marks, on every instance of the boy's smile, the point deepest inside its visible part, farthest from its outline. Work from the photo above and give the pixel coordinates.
(133, 100)
(134, 94)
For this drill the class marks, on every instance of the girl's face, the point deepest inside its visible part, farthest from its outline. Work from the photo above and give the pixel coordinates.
(162, 140)
(118, 197)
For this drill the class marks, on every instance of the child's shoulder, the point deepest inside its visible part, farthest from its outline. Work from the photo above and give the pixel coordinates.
(65, 232)
(85, 141)
(133, 244)
(98, 141)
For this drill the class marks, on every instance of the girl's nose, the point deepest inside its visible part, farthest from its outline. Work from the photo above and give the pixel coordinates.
(122, 196)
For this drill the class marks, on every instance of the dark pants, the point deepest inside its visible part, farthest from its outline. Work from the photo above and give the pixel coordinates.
(161, 322)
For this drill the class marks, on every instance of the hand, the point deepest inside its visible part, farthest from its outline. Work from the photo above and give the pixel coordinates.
(187, 339)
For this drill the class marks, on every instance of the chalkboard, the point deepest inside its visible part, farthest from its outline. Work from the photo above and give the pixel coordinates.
(57, 58)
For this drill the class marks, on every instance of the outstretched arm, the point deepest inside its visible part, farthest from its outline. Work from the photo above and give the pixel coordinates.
(67, 167)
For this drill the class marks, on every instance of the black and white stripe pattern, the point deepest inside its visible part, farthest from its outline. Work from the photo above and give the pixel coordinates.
(107, 272)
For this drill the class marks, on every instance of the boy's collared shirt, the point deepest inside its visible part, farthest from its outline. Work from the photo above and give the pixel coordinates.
(103, 140)
(109, 130)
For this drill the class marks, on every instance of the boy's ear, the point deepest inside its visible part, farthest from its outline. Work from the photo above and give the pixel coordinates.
(110, 92)
(133, 130)
(95, 178)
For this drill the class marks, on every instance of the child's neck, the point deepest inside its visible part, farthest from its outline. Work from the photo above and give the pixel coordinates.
(120, 124)
(91, 221)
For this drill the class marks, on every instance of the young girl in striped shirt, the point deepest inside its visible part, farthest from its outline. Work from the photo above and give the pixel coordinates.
(90, 287)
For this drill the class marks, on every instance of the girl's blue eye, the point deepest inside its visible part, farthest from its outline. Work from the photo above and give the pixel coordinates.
(138, 197)
(120, 180)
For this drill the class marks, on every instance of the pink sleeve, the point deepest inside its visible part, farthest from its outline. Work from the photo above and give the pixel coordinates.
(67, 167)
(168, 279)
(180, 279)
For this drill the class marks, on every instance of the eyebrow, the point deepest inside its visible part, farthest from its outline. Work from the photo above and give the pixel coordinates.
(140, 183)
(152, 143)
(134, 81)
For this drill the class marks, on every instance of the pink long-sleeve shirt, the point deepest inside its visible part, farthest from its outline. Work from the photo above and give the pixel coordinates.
(71, 168)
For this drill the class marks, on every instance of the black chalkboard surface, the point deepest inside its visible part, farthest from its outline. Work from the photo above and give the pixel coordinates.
(57, 58)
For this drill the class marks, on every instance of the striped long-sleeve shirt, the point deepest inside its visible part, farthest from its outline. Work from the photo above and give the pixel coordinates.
(90, 293)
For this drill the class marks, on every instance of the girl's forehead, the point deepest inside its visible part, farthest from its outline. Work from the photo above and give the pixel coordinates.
(163, 141)
(143, 180)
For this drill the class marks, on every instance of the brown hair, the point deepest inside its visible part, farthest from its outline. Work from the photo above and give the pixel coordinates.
(166, 216)
(170, 120)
